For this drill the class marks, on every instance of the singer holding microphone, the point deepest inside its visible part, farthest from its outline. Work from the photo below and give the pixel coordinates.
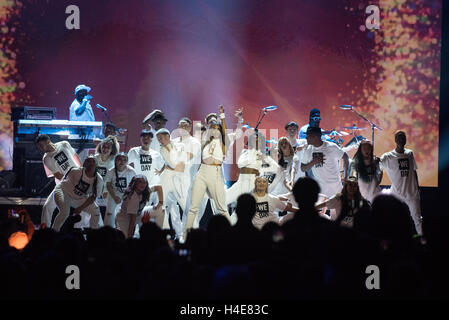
(209, 178)
(81, 110)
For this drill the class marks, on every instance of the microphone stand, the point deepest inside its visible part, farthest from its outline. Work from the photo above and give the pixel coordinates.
(257, 130)
(372, 124)
(107, 116)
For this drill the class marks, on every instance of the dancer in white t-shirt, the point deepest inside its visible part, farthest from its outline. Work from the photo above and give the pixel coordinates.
(134, 200)
(286, 158)
(58, 159)
(266, 204)
(117, 181)
(323, 158)
(298, 145)
(401, 168)
(192, 146)
(79, 190)
(147, 161)
(366, 168)
(175, 183)
(273, 172)
(105, 154)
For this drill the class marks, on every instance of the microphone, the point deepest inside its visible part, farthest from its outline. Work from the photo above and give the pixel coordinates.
(101, 108)
(346, 107)
(270, 108)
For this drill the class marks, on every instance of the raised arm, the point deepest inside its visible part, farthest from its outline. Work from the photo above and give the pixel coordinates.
(238, 130)
(223, 121)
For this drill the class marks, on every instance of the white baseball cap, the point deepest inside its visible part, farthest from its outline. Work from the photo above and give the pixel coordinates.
(162, 130)
(82, 87)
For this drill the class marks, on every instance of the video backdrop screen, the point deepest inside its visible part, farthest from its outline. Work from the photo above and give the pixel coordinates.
(187, 57)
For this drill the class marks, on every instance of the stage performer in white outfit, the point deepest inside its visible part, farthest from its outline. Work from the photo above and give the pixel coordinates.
(117, 180)
(59, 157)
(175, 183)
(401, 168)
(209, 178)
(79, 189)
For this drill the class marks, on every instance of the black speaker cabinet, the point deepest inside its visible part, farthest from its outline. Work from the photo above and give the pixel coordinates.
(37, 184)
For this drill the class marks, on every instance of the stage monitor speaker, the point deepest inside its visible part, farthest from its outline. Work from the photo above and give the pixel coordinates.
(37, 184)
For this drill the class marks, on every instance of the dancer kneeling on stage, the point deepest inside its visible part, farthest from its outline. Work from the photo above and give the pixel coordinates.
(78, 190)
(117, 180)
(134, 200)
(346, 204)
(266, 204)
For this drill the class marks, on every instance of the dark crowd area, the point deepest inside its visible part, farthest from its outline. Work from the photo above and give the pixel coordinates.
(308, 257)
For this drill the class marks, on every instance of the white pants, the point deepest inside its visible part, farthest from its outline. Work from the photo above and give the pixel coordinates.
(48, 209)
(50, 206)
(175, 186)
(414, 205)
(209, 179)
(64, 204)
(111, 206)
(202, 210)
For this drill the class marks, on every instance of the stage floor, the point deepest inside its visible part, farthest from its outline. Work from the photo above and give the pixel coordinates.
(34, 207)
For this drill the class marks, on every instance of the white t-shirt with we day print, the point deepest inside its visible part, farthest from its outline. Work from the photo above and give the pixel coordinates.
(327, 174)
(124, 178)
(60, 160)
(146, 162)
(274, 174)
(265, 207)
(401, 168)
(104, 166)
